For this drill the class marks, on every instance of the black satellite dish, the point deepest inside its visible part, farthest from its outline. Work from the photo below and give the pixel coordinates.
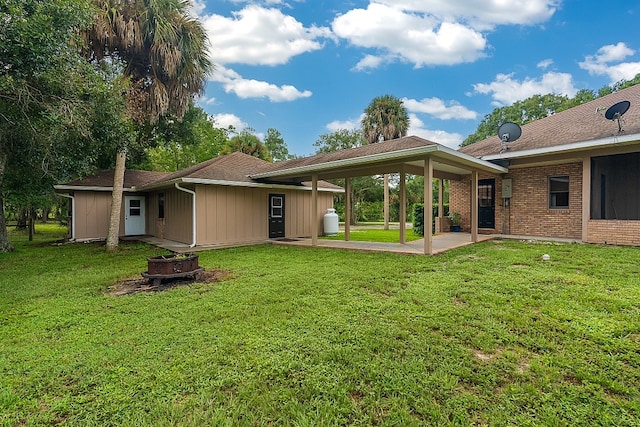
(616, 111)
(508, 132)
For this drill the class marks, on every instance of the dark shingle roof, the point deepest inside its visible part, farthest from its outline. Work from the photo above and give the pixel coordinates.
(403, 143)
(234, 167)
(132, 178)
(231, 167)
(583, 123)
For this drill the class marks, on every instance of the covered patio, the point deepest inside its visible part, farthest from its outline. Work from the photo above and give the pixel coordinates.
(407, 155)
(440, 243)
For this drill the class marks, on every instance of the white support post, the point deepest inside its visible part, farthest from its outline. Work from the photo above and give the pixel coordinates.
(347, 209)
(403, 208)
(428, 205)
(474, 206)
(314, 210)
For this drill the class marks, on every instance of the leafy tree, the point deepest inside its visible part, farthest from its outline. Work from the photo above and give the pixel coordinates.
(521, 112)
(164, 55)
(247, 142)
(50, 99)
(538, 107)
(341, 139)
(276, 146)
(364, 189)
(385, 118)
(177, 144)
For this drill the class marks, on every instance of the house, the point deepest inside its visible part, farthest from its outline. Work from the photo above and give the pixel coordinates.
(238, 199)
(574, 175)
(212, 203)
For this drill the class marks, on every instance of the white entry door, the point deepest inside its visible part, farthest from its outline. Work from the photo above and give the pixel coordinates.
(134, 216)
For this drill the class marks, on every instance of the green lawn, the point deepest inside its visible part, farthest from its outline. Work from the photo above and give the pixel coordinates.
(375, 235)
(488, 334)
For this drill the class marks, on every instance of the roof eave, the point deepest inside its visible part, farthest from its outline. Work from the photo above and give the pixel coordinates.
(89, 188)
(574, 146)
(204, 181)
(382, 157)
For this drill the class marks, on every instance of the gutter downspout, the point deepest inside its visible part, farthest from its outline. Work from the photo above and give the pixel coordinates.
(73, 215)
(193, 209)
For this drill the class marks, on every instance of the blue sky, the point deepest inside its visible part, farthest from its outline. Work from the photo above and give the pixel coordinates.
(308, 68)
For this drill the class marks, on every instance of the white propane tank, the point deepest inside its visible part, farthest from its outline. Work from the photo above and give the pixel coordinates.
(331, 222)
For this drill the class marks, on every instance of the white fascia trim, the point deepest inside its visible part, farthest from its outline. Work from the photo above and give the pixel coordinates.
(575, 146)
(409, 152)
(255, 185)
(88, 188)
(481, 163)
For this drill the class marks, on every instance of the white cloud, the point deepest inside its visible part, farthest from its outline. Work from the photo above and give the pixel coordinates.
(260, 36)
(416, 38)
(197, 7)
(349, 124)
(224, 120)
(482, 13)
(505, 90)
(203, 100)
(608, 61)
(545, 63)
(250, 88)
(416, 127)
(438, 108)
(368, 62)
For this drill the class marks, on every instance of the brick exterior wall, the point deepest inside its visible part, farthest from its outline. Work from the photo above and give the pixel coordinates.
(614, 232)
(528, 212)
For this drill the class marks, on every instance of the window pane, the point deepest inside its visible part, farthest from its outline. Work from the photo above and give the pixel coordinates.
(135, 203)
(559, 192)
(559, 184)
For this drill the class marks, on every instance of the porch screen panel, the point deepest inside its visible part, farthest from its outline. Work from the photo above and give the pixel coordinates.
(615, 187)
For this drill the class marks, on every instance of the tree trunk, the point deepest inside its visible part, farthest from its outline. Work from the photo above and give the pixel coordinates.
(386, 201)
(5, 246)
(21, 221)
(31, 222)
(116, 201)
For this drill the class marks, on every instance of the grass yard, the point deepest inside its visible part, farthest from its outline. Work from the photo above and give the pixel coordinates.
(488, 334)
(375, 235)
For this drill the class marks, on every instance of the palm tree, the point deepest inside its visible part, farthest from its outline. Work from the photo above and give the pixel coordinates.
(385, 118)
(163, 52)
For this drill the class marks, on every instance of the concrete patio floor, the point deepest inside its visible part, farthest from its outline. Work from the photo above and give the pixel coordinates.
(441, 242)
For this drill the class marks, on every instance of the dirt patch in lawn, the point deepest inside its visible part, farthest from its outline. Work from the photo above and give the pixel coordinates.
(134, 286)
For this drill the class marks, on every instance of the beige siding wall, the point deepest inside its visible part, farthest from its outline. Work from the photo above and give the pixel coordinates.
(178, 218)
(228, 215)
(152, 214)
(92, 210)
(92, 214)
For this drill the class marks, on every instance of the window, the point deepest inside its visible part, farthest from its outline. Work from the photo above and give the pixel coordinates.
(160, 205)
(559, 192)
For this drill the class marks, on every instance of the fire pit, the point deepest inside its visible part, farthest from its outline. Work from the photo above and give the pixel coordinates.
(172, 267)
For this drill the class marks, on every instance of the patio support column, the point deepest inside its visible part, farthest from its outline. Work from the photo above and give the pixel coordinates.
(586, 197)
(347, 209)
(403, 207)
(474, 206)
(428, 205)
(386, 201)
(440, 204)
(314, 210)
